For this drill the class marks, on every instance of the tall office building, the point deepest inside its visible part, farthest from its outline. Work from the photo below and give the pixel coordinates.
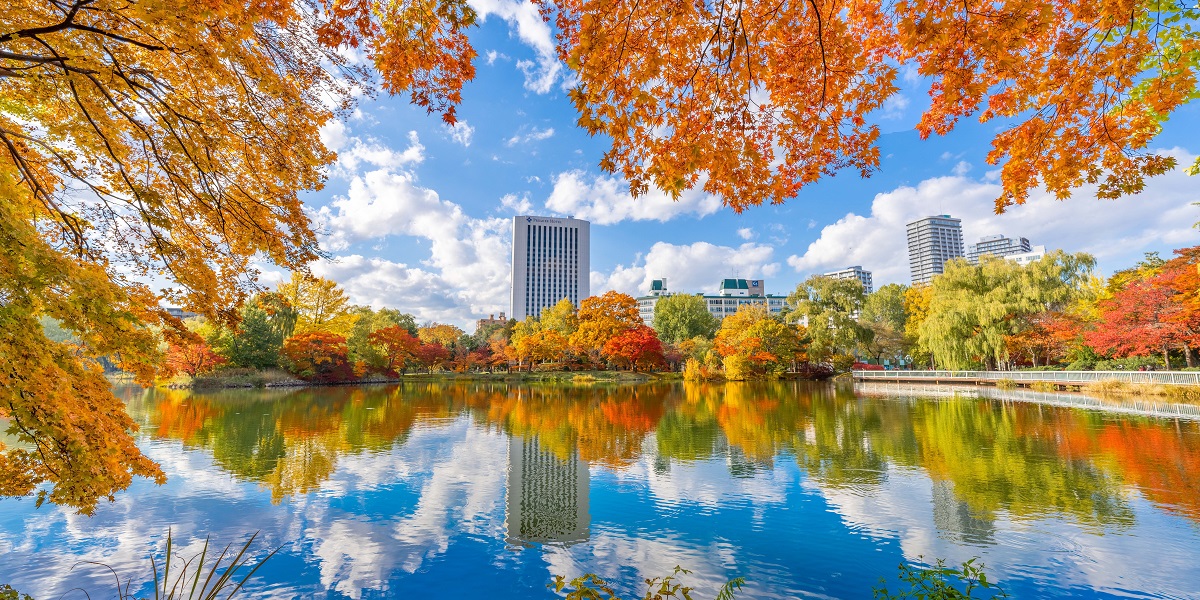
(931, 242)
(550, 261)
(855, 272)
(998, 246)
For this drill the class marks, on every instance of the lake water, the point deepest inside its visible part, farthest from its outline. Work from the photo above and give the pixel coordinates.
(806, 490)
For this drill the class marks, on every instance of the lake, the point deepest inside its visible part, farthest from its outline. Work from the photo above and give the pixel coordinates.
(490, 489)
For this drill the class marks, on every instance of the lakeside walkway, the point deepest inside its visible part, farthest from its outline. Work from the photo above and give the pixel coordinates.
(1027, 378)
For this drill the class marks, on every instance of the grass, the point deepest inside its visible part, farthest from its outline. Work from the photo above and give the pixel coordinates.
(1043, 386)
(244, 378)
(1006, 384)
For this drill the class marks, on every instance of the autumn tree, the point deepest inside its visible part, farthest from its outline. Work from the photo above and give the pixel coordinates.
(635, 347)
(320, 304)
(1082, 88)
(431, 356)
(755, 343)
(828, 307)
(368, 321)
(395, 348)
(680, 317)
(193, 358)
(317, 356)
(447, 336)
(561, 317)
(603, 317)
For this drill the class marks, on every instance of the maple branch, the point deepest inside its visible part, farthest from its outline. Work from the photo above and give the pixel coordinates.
(821, 44)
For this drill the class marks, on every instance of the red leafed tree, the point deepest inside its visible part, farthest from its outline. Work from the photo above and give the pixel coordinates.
(399, 348)
(1144, 318)
(317, 356)
(1047, 337)
(432, 355)
(638, 346)
(193, 358)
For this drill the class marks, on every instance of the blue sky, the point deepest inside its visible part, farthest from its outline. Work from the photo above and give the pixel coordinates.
(416, 216)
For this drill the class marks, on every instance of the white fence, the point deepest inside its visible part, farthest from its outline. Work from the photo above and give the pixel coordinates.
(1158, 377)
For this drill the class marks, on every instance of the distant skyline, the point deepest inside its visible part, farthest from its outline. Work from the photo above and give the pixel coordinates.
(417, 216)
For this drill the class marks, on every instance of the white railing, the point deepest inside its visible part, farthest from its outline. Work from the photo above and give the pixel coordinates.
(1137, 406)
(1157, 377)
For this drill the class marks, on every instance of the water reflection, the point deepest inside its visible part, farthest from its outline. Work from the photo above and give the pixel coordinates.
(801, 488)
(547, 496)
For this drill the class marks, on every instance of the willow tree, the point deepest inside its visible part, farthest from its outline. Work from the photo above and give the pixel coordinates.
(974, 308)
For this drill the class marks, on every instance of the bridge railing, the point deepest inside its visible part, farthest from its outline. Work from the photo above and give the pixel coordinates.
(1153, 377)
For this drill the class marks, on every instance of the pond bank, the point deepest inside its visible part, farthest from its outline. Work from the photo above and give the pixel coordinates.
(275, 378)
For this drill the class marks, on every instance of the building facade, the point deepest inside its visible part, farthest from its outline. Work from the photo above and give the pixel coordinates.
(996, 245)
(931, 242)
(551, 260)
(855, 272)
(732, 294)
(1035, 253)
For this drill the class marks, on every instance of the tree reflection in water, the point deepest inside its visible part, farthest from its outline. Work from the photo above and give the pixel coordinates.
(985, 456)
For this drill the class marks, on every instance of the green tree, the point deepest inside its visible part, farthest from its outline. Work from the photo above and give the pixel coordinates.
(368, 321)
(974, 308)
(682, 317)
(256, 341)
(884, 315)
(828, 307)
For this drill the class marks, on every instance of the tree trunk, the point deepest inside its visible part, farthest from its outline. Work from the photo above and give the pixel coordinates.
(1187, 355)
(1166, 359)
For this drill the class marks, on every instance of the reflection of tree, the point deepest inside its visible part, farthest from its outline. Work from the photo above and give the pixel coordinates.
(978, 446)
(984, 456)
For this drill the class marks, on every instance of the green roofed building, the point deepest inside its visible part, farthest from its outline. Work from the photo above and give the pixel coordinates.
(732, 294)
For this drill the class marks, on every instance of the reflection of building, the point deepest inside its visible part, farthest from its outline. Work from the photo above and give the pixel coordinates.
(551, 260)
(547, 497)
(931, 242)
(855, 272)
(954, 519)
(732, 294)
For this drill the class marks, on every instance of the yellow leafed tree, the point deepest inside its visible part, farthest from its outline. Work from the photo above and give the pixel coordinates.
(164, 140)
(321, 306)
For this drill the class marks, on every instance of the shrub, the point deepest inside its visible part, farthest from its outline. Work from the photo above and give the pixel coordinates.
(842, 362)
(1006, 384)
(941, 582)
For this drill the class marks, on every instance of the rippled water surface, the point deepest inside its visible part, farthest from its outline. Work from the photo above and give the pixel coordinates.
(805, 490)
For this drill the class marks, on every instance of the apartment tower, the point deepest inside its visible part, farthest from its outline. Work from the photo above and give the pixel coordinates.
(931, 242)
(550, 261)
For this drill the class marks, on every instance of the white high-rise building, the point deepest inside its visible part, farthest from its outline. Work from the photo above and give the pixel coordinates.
(998, 246)
(550, 261)
(855, 272)
(931, 242)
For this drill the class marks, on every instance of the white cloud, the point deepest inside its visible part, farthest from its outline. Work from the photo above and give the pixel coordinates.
(466, 272)
(368, 151)
(517, 204)
(1115, 232)
(540, 74)
(333, 135)
(606, 200)
(962, 168)
(745, 233)
(461, 132)
(688, 268)
(534, 135)
(894, 106)
(491, 56)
